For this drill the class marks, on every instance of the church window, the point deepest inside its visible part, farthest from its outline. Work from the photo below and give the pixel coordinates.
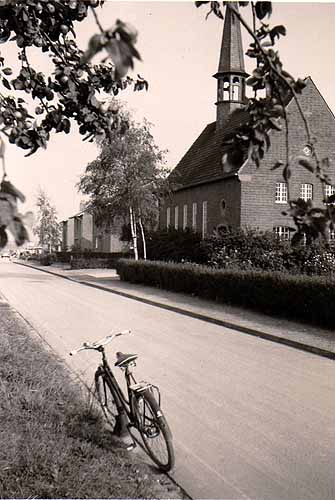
(306, 191)
(204, 218)
(176, 217)
(194, 216)
(282, 232)
(168, 217)
(281, 192)
(185, 217)
(236, 89)
(226, 89)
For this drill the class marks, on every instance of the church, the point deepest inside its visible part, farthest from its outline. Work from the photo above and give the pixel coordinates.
(210, 194)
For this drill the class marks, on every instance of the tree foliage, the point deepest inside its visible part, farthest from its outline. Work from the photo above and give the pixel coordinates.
(70, 93)
(127, 179)
(75, 89)
(47, 227)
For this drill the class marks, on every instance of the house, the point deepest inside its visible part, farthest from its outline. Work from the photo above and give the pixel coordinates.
(209, 193)
(80, 232)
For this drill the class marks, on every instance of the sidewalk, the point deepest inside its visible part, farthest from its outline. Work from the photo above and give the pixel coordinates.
(300, 336)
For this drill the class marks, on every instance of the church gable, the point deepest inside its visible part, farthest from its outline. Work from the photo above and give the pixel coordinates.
(321, 122)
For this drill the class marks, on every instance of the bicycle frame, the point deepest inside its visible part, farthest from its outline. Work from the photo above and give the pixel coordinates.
(123, 404)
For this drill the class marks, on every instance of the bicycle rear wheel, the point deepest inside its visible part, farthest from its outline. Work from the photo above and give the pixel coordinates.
(155, 431)
(106, 398)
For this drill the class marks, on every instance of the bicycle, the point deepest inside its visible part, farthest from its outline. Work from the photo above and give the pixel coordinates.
(139, 409)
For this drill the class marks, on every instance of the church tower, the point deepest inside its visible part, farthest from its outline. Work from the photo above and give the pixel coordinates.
(231, 73)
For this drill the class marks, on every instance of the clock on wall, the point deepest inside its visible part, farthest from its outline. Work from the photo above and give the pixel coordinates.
(307, 150)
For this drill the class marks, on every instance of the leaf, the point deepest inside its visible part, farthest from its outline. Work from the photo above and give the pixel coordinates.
(7, 71)
(326, 162)
(121, 54)
(330, 199)
(198, 4)
(263, 9)
(19, 231)
(287, 173)
(276, 32)
(274, 124)
(6, 83)
(4, 34)
(307, 164)
(278, 164)
(280, 29)
(3, 238)
(216, 9)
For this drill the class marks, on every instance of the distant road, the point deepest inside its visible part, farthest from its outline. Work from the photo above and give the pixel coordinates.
(251, 418)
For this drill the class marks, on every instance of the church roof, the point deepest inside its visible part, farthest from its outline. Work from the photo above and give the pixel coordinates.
(203, 161)
(231, 55)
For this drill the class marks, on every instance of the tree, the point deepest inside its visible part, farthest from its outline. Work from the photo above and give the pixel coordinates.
(70, 93)
(127, 179)
(47, 227)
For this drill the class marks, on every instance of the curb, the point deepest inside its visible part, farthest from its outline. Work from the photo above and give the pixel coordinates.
(208, 319)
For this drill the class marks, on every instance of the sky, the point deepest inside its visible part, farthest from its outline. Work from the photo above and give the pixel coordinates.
(180, 53)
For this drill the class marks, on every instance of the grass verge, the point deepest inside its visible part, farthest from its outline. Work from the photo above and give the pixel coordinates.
(53, 442)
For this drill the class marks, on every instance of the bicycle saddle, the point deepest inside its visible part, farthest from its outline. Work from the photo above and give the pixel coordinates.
(123, 359)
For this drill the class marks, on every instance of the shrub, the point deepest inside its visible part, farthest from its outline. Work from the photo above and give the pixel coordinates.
(307, 298)
(246, 248)
(175, 245)
(252, 250)
(46, 259)
(88, 259)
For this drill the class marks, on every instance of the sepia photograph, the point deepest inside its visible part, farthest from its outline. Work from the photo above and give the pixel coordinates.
(167, 250)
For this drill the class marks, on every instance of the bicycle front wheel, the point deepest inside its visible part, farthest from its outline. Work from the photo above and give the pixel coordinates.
(106, 398)
(155, 431)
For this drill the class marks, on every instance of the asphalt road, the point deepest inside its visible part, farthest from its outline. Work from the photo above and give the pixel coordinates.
(250, 418)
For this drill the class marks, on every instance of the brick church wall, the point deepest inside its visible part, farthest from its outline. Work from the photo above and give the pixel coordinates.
(213, 193)
(258, 208)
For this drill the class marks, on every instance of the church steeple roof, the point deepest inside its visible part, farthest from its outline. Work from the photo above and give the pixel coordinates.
(231, 73)
(231, 55)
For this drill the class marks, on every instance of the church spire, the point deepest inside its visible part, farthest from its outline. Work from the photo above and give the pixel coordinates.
(231, 72)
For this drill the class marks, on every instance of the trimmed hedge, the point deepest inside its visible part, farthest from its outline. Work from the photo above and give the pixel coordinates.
(306, 298)
(87, 260)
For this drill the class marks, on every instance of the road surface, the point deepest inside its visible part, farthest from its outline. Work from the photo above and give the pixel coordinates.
(250, 418)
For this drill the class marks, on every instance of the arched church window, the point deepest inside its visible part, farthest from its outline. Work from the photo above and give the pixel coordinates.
(236, 89)
(226, 87)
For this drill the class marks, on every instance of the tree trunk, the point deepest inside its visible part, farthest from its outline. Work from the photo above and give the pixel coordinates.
(143, 239)
(133, 231)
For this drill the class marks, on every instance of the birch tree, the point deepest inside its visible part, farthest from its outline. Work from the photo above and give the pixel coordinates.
(127, 179)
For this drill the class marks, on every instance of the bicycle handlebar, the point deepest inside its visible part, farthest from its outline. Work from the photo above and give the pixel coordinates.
(99, 343)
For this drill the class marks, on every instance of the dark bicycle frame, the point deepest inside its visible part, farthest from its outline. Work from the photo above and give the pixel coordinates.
(124, 406)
